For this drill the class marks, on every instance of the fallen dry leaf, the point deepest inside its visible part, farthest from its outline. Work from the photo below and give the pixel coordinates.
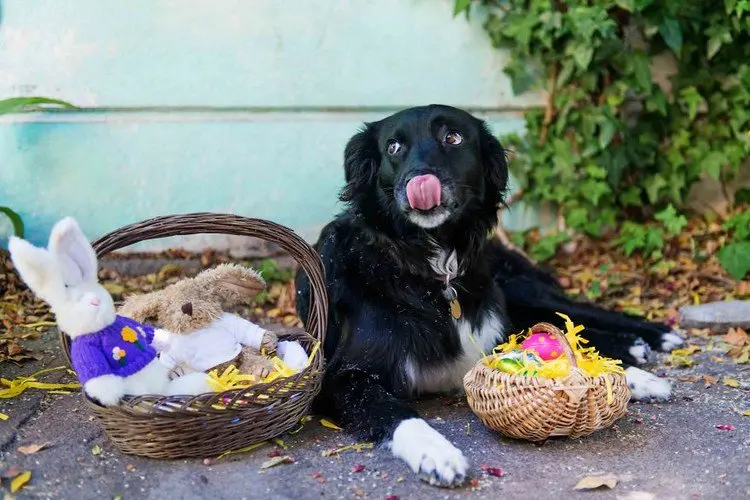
(273, 462)
(18, 482)
(709, 380)
(96, 450)
(32, 448)
(746, 413)
(737, 337)
(358, 491)
(730, 382)
(608, 480)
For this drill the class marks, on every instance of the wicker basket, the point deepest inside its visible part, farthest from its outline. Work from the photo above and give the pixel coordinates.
(536, 408)
(210, 424)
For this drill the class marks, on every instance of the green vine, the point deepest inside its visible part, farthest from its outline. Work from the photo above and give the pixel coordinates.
(614, 149)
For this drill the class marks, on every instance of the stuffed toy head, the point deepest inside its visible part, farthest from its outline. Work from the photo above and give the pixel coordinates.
(195, 303)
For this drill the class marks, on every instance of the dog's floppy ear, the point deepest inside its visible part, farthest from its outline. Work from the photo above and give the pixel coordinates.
(361, 160)
(494, 160)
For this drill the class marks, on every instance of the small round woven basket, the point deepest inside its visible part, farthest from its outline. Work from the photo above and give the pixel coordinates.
(210, 424)
(536, 408)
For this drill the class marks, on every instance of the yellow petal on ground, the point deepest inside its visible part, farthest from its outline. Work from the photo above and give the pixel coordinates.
(731, 382)
(242, 450)
(327, 423)
(20, 481)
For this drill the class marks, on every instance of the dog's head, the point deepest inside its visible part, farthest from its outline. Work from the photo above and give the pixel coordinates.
(428, 165)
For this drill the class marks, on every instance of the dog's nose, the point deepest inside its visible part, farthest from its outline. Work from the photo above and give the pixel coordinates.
(95, 302)
(187, 308)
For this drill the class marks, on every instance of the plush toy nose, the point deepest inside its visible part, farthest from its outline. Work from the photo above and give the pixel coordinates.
(95, 302)
(187, 308)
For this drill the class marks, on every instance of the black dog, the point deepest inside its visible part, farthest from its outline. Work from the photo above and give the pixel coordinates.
(418, 290)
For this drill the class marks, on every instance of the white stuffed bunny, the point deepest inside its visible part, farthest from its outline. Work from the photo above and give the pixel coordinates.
(112, 355)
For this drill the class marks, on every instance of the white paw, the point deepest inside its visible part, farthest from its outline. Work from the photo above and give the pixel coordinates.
(672, 340)
(429, 454)
(640, 351)
(645, 386)
(107, 389)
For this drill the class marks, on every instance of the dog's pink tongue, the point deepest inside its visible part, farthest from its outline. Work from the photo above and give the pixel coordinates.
(423, 192)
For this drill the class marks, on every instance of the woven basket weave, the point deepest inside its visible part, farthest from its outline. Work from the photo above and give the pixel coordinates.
(536, 408)
(210, 424)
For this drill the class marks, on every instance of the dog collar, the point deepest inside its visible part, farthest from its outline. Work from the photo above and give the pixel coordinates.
(447, 269)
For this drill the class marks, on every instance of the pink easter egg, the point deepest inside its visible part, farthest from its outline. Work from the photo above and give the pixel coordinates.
(545, 345)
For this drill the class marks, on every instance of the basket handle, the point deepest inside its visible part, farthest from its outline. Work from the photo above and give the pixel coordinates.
(554, 331)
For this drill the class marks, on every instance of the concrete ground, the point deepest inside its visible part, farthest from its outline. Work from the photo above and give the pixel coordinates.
(666, 451)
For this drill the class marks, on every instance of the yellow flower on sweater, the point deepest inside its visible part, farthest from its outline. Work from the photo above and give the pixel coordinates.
(129, 335)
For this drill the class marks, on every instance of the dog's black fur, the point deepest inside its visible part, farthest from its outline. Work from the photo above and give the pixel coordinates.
(386, 301)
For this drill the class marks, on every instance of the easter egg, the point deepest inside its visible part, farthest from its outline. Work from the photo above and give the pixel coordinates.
(545, 345)
(509, 365)
(515, 361)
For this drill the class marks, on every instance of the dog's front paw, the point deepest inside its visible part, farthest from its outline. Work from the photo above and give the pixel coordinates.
(432, 457)
(672, 340)
(645, 386)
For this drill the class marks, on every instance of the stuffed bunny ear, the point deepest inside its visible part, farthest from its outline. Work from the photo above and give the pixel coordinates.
(38, 269)
(232, 283)
(142, 307)
(77, 257)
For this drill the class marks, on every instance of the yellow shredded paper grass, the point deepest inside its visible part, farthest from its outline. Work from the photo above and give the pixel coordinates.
(15, 387)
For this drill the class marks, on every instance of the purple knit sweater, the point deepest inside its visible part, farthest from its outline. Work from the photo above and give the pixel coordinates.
(122, 349)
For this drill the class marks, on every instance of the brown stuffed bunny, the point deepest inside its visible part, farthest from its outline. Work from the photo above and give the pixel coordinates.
(200, 336)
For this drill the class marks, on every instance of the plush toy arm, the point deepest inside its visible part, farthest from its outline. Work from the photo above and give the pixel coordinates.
(245, 332)
(107, 389)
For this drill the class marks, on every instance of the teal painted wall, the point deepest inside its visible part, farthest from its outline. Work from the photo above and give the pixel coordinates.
(222, 105)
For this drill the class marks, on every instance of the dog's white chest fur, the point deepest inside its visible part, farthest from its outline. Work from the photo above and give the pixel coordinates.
(446, 377)
(437, 378)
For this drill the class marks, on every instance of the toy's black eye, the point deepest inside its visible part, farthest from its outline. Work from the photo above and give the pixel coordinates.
(187, 308)
(453, 138)
(394, 147)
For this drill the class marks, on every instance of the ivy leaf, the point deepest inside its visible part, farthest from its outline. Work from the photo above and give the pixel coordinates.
(15, 219)
(628, 5)
(632, 237)
(520, 76)
(654, 187)
(740, 224)
(606, 132)
(582, 54)
(642, 70)
(713, 163)
(657, 102)
(735, 258)
(631, 196)
(461, 6)
(714, 44)
(692, 99)
(670, 31)
(672, 220)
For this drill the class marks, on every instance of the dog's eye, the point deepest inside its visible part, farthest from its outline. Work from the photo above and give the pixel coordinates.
(394, 147)
(453, 138)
